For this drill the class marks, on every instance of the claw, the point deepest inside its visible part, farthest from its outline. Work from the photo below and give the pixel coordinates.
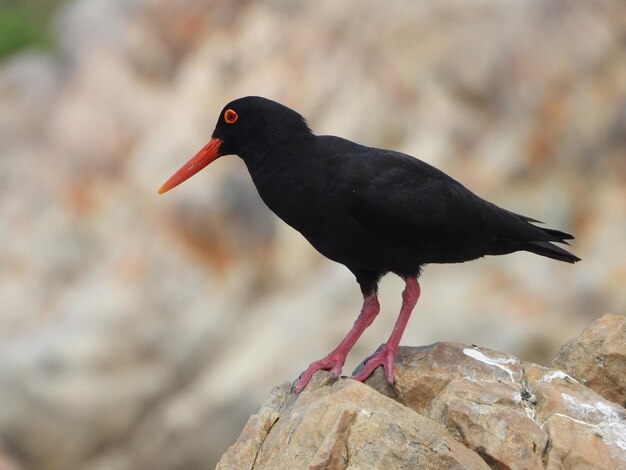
(333, 363)
(384, 356)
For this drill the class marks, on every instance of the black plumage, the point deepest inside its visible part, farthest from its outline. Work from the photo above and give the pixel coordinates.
(373, 210)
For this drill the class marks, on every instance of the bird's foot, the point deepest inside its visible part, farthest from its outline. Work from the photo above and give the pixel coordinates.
(384, 356)
(333, 363)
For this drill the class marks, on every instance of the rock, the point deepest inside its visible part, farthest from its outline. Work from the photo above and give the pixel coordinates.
(583, 428)
(597, 358)
(490, 419)
(452, 405)
(575, 444)
(346, 424)
(423, 372)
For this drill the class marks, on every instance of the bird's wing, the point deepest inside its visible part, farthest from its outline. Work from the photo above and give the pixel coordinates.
(407, 200)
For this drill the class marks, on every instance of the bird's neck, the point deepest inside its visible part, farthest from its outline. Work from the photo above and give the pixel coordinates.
(277, 155)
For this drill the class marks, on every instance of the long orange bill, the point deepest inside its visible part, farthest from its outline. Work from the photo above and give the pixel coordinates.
(201, 159)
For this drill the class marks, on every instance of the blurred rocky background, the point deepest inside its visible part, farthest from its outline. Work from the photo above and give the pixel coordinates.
(140, 331)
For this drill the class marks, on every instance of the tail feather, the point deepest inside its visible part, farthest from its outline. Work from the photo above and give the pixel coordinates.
(518, 232)
(551, 251)
(559, 237)
(555, 235)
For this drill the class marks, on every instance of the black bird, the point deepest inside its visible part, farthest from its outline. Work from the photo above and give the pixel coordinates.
(375, 211)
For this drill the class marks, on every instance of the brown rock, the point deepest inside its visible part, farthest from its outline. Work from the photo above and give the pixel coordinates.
(474, 403)
(597, 358)
(347, 424)
(256, 430)
(422, 373)
(576, 444)
(554, 392)
(489, 417)
(584, 430)
(476, 393)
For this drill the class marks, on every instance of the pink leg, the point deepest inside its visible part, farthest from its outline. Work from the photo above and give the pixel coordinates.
(335, 360)
(387, 354)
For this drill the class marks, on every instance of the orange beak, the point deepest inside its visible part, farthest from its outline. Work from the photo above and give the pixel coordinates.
(209, 152)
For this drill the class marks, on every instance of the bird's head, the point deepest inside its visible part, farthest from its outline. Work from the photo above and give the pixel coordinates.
(249, 127)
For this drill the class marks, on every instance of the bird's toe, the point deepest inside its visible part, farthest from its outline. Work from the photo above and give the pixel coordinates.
(384, 356)
(330, 363)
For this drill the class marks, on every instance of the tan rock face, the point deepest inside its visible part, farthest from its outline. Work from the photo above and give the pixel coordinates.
(575, 444)
(422, 373)
(490, 419)
(451, 406)
(345, 425)
(597, 358)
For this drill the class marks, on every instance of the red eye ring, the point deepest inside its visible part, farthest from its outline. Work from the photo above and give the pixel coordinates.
(230, 116)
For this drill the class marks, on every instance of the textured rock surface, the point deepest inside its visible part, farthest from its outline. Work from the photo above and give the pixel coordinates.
(341, 425)
(451, 406)
(490, 418)
(597, 358)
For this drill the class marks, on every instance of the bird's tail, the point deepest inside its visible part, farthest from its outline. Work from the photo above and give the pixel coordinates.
(519, 233)
(546, 248)
(559, 237)
(551, 251)
(535, 239)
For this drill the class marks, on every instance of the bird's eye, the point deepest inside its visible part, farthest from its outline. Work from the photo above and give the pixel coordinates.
(230, 116)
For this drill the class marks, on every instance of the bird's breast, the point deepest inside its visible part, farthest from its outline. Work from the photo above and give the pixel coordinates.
(305, 197)
(303, 201)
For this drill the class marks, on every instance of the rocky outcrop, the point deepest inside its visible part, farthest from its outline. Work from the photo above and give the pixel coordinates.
(452, 406)
(341, 424)
(597, 358)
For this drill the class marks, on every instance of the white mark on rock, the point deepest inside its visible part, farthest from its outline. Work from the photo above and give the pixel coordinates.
(607, 411)
(364, 412)
(590, 411)
(557, 374)
(477, 355)
(612, 432)
(570, 418)
(612, 428)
